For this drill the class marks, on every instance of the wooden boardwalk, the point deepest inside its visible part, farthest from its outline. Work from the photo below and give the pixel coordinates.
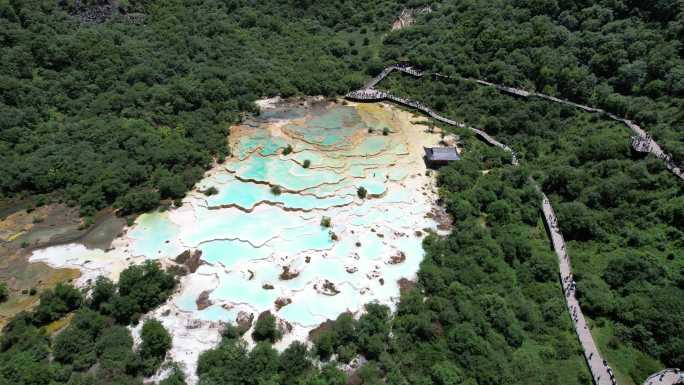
(601, 372)
(641, 141)
(665, 377)
(373, 95)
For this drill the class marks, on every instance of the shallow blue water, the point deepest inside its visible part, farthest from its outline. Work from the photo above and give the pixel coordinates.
(247, 233)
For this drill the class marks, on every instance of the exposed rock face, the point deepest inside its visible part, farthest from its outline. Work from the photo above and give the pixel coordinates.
(103, 11)
(325, 326)
(408, 17)
(284, 326)
(282, 302)
(96, 14)
(451, 140)
(203, 300)
(355, 364)
(190, 259)
(288, 274)
(443, 219)
(263, 315)
(244, 320)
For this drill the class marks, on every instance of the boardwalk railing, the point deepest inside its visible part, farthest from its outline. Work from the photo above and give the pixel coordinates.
(373, 95)
(665, 377)
(643, 143)
(600, 371)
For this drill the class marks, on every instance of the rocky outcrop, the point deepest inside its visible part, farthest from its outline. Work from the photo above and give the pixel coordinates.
(244, 320)
(281, 302)
(284, 326)
(397, 258)
(96, 14)
(451, 140)
(203, 300)
(288, 274)
(408, 17)
(406, 285)
(326, 287)
(325, 326)
(191, 260)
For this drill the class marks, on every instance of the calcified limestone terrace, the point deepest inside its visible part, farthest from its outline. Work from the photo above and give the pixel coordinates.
(248, 235)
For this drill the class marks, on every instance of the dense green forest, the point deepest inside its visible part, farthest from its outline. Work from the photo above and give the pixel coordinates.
(623, 214)
(95, 347)
(124, 114)
(624, 56)
(620, 212)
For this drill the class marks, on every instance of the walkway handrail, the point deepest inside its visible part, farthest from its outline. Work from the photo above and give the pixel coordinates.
(669, 376)
(600, 371)
(373, 95)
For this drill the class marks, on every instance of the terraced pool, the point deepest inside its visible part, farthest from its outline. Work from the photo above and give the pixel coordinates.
(249, 234)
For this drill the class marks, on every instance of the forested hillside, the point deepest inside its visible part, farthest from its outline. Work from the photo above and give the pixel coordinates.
(624, 56)
(124, 114)
(622, 213)
(95, 347)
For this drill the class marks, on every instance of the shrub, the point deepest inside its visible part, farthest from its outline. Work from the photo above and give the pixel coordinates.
(325, 344)
(147, 284)
(385, 131)
(156, 341)
(326, 222)
(4, 292)
(139, 201)
(307, 163)
(54, 304)
(361, 192)
(275, 190)
(210, 191)
(287, 150)
(266, 329)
